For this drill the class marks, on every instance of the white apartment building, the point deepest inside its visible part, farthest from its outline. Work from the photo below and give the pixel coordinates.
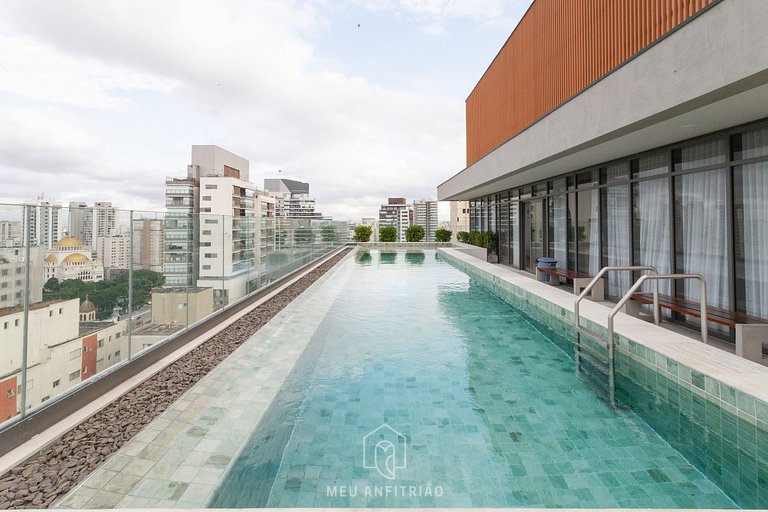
(89, 223)
(13, 275)
(398, 214)
(234, 218)
(62, 351)
(148, 244)
(292, 199)
(459, 217)
(10, 233)
(216, 226)
(114, 251)
(45, 222)
(425, 215)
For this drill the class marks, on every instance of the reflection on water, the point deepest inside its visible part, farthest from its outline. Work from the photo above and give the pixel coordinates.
(387, 257)
(414, 257)
(363, 258)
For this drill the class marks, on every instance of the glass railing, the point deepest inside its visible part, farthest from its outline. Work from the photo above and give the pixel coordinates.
(69, 311)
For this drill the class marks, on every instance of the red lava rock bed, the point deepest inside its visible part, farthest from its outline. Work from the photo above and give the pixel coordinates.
(48, 476)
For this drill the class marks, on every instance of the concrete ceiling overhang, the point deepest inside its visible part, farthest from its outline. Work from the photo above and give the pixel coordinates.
(678, 89)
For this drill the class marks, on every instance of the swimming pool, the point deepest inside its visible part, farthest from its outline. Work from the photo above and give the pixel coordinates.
(420, 388)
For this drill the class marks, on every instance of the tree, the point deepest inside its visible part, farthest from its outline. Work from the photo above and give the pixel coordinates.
(443, 235)
(362, 233)
(328, 233)
(303, 236)
(387, 234)
(414, 233)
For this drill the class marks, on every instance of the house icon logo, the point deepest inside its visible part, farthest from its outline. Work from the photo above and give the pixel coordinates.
(385, 450)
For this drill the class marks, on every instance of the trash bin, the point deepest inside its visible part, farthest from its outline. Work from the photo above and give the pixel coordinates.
(545, 263)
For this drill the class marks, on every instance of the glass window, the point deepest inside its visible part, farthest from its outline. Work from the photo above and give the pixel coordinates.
(571, 213)
(701, 236)
(558, 222)
(701, 155)
(650, 165)
(751, 238)
(588, 232)
(616, 229)
(514, 222)
(540, 189)
(617, 171)
(650, 229)
(504, 230)
(587, 179)
(751, 144)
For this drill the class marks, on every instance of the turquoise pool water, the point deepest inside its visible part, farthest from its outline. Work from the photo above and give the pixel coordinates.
(422, 389)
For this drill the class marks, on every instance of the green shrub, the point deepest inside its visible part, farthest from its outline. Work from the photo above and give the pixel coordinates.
(387, 234)
(414, 233)
(463, 237)
(362, 234)
(486, 239)
(443, 235)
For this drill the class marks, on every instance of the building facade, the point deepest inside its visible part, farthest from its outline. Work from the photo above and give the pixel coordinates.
(292, 199)
(62, 351)
(459, 217)
(89, 223)
(217, 226)
(45, 221)
(425, 215)
(13, 275)
(148, 244)
(10, 233)
(398, 214)
(632, 143)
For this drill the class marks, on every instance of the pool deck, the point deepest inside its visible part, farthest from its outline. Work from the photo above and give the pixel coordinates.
(178, 460)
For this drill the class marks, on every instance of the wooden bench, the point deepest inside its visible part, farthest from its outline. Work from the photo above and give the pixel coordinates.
(580, 281)
(751, 332)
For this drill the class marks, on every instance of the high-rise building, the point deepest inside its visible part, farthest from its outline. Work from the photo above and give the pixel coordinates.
(13, 276)
(398, 214)
(292, 198)
(233, 245)
(114, 251)
(44, 221)
(216, 226)
(425, 215)
(459, 217)
(10, 233)
(88, 223)
(148, 244)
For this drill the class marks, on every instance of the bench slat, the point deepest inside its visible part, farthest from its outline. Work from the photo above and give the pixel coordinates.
(688, 307)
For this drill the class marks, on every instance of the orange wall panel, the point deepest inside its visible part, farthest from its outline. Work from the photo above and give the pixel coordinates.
(7, 399)
(88, 362)
(558, 49)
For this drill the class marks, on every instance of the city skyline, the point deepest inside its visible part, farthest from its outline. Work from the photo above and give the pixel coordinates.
(306, 88)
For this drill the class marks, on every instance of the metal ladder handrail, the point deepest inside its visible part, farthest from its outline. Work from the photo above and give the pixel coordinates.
(628, 296)
(600, 275)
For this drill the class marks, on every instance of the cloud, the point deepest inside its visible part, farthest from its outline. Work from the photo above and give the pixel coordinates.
(37, 71)
(244, 74)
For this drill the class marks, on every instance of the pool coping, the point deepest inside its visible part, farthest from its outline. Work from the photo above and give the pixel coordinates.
(179, 458)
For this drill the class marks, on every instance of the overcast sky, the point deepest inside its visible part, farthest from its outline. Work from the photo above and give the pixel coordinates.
(364, 99)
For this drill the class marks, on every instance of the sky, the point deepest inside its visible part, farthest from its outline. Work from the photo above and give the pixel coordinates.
(364, 99)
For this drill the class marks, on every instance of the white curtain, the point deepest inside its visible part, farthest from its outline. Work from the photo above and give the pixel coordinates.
(701, 234)
(594, 234)
(651, 230)
(561, 227)
(754, 144)
(706, 153)
(755, 242)
(617, 234)
(514, 222)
